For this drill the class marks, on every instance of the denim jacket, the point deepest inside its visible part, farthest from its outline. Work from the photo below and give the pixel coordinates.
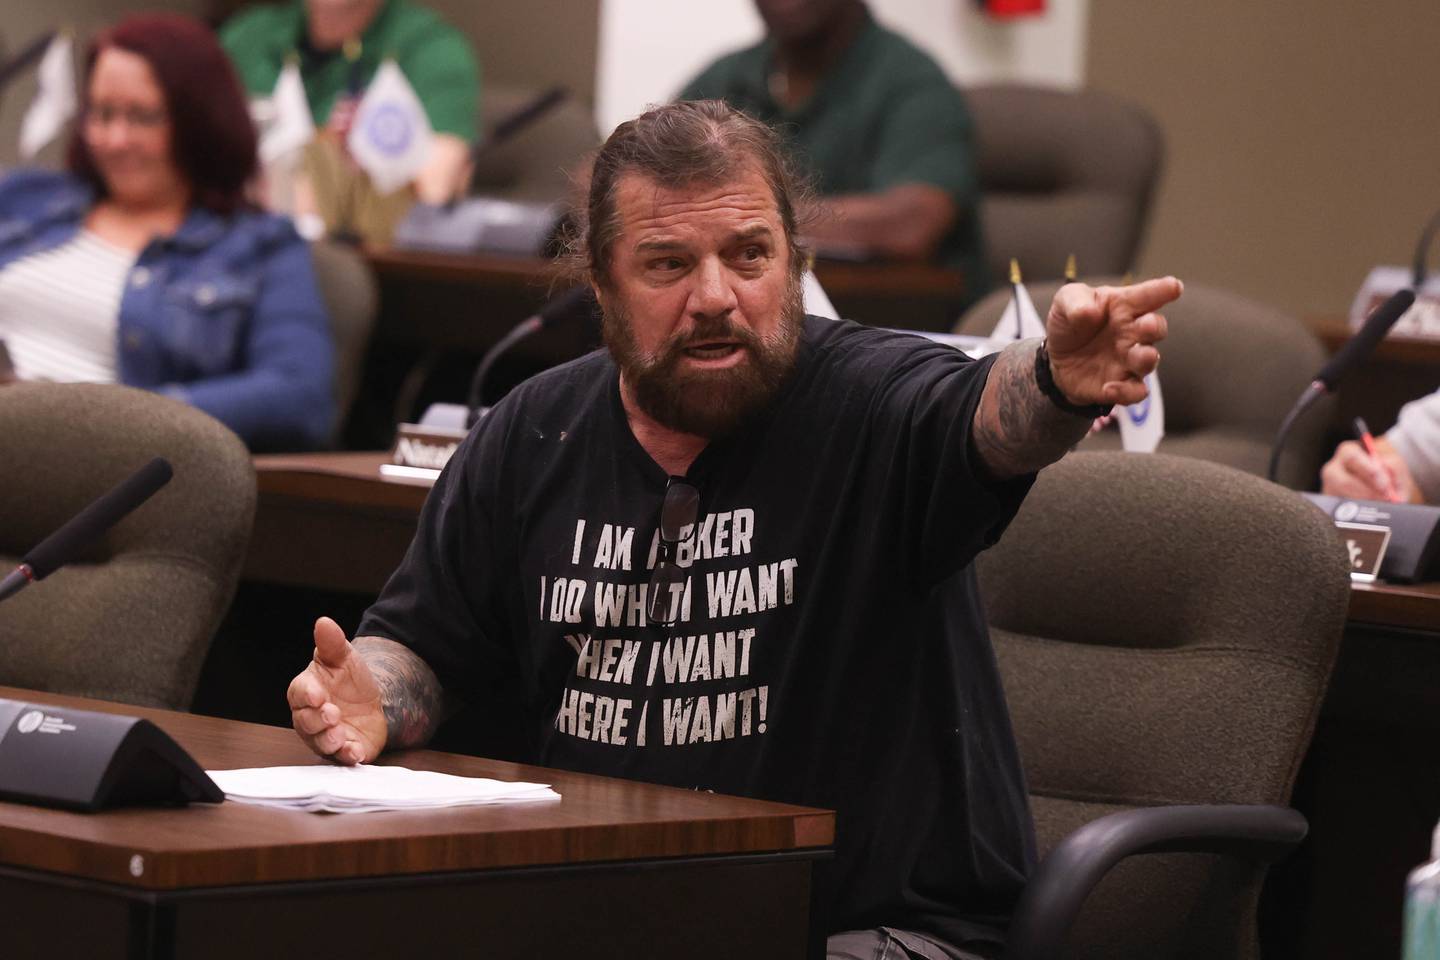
(224, 314)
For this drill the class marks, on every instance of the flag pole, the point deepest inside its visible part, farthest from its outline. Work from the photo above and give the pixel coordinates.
(1015, 293)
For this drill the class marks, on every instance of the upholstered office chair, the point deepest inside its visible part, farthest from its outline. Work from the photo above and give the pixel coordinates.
(535, 163)
(352, 298)
(1229, 370)
(1171, 676)
(1062, 172)
(131, 619)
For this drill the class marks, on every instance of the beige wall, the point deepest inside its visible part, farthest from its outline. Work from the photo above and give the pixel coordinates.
(1303, 138)
(532, 43)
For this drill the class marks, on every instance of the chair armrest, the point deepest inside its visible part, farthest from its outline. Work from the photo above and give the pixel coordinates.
(1058, 888)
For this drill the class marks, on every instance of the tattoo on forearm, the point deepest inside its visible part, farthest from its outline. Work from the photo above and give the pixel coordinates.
(1017, 428)
(410, 694)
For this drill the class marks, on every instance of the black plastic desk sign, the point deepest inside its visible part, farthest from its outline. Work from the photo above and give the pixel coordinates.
(420, 453)
(82, 760)
(1366, 543)
(1414, 545)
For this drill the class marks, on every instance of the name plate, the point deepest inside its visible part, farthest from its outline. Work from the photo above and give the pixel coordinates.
(1422, 320)
(420, 453)
(1366, 544)
(82, 760)
(1413, 545)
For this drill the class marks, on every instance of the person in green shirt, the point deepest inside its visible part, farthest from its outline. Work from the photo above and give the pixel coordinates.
(881, 130)
(339, 44)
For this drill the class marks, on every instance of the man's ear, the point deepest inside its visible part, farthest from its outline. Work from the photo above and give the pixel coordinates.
(598, 289)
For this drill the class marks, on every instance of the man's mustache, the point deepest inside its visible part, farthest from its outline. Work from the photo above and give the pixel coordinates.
(709, 331)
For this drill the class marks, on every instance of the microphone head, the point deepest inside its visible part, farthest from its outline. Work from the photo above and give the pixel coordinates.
(1360, 346)
(157, 472)
(102, 514)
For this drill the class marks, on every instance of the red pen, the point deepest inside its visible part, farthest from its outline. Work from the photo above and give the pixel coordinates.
(1368, 439)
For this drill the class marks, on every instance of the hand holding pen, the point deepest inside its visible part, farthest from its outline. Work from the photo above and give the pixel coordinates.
(1382, 471)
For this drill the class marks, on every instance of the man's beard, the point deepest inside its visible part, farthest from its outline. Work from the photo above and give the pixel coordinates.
(703, 402)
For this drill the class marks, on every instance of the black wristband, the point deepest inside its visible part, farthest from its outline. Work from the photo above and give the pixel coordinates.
(1045, 380)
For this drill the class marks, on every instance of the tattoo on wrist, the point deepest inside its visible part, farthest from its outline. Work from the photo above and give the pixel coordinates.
(1017, 428)
(410, 693)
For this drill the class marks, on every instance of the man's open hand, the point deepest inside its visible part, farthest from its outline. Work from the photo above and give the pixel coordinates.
(335, 703)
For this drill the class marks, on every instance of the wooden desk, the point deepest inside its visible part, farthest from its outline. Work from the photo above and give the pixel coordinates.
(330, 521)
(614, 869)
(1406, 606)
(1370, 783)
(451, 301)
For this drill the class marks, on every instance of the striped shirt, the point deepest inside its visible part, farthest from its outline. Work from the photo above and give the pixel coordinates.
(59, 310)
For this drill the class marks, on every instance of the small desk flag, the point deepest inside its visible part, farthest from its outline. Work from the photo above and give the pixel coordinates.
(391, 135)
(1020, 321)
(816, 300)
(55, 101)
(289, 125)
(1142, 425)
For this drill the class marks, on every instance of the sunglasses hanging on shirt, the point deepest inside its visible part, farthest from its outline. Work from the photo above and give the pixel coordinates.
(678, 513)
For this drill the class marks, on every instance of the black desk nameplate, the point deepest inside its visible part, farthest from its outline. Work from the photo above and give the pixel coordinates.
(1366, 543)
(82, 760)
(1414, 532)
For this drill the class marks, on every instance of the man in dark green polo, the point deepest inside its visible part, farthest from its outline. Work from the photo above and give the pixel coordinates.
(881, 130)
(339, 44)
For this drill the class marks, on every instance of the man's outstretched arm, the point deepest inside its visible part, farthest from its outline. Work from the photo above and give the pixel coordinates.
(355, 700)
(1017, 428)
(1101, 345)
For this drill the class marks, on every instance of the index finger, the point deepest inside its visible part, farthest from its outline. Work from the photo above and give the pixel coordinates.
(306, 690)
(1077, 301)
(1149, 295)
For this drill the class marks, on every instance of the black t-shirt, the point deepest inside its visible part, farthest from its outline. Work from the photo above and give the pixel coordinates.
(832, 650)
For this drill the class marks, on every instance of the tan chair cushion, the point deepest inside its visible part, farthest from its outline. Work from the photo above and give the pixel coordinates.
(130, 619)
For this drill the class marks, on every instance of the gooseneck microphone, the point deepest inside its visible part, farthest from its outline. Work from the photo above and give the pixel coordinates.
(107, 510)
(1422, 250)
(519, 119)
(1360, 346)
(1350, 356)
(569, 303)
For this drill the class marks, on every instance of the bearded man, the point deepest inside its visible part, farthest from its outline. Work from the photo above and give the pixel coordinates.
(747, 533)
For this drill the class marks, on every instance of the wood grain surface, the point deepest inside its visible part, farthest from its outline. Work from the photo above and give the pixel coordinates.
(348, 478)
(1413, 606)
(597, 819)
(348, 489)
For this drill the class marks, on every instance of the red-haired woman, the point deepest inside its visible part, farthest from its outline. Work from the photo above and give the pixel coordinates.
(145, 265)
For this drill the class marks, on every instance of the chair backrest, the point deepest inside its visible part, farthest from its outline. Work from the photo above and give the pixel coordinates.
(536, 163)
(1165, 629)
(1230, 369)
(1062, 172)
(131, 619)
(352, 299)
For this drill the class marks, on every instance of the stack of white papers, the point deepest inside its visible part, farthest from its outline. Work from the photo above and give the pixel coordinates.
(328, 788)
